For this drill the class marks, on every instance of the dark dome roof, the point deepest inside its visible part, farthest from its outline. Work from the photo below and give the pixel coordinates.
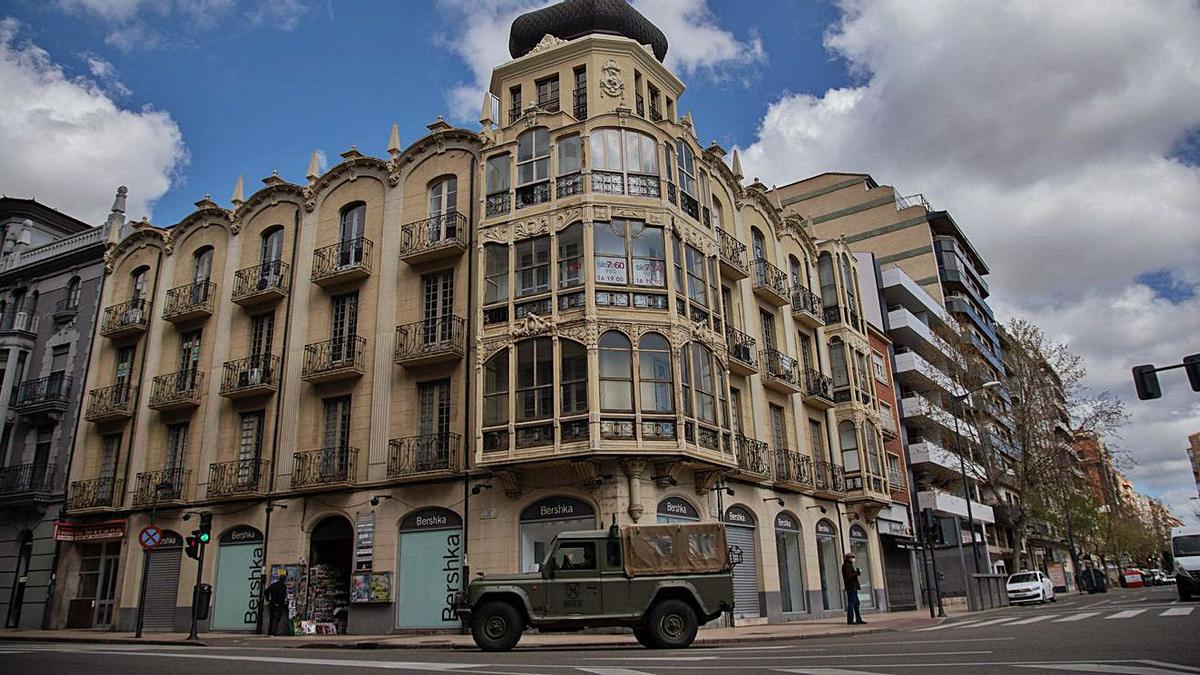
(570, 19)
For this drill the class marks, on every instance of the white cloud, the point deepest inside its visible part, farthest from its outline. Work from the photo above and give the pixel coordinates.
(69, 145)
(697, 45)
(106, 74)
(1047, 129)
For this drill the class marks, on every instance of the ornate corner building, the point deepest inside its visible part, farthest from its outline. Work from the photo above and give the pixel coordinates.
(415, 368)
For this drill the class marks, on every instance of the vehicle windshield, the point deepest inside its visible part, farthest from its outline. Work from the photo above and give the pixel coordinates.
(1024, 578)
(1187, 545)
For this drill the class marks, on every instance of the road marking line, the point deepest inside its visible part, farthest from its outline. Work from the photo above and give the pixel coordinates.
(1177, 611)
(1126, 614)
(1104, 668)
(612, 671)
(962, 624)
(1176, 666)
(424, 666)
(1077, 617)
(776, 658)
(1032, 619)
(992, 622)
(826, 671)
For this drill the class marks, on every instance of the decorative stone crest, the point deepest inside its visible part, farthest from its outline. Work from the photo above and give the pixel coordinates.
(548, 42)
(499, 234)
(532, 324)
(601, 212)
(611, 84)
(532, 227)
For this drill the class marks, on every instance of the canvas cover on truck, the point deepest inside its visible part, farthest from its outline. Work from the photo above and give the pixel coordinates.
(675, 549)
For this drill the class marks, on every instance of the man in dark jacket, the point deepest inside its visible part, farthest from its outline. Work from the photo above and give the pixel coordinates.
(850, 582)
(277, 601)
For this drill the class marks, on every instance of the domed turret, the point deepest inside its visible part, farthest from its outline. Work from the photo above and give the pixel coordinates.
(570, 19)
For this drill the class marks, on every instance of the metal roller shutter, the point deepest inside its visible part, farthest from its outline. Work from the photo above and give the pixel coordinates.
(899, 578)
(162, 587)
(745, 575)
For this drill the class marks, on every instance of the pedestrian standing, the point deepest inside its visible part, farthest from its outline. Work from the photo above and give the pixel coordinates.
(850, 575)
(277, 601)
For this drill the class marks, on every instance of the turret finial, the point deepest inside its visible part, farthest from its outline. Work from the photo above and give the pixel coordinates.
(238, 195)
(394, 140)
(737, 165)
(313, 168)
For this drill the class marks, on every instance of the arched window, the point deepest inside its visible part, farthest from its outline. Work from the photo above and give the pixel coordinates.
(848, 279)
(686, 161)
(73, 289)
(202, 265)
(616, 372)
(718, 213)
(624, 161)
(758, 244)
(829, 297)
(535, 379)
(874, 461)
(495, 389)
(442, 224)
(533, 167)
(654, 374)
(797, 271)
(271, 246)
(353, 222)
(573, 368)
(138, 280)
(848, 441)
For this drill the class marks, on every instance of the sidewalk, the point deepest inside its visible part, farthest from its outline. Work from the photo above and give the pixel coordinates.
(796, 630)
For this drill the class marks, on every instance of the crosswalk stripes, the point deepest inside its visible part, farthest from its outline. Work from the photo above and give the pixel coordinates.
(1006, 621)
(1032, 619)
(1077, 617)
(1123, 668)
(1126, 614)
(993, 622)
(1177, 611)
(943, 626)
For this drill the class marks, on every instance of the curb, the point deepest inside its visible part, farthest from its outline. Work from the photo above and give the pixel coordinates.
(100, 640)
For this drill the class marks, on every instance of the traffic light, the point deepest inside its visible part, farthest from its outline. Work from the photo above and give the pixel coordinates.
(1192, 365)
(929, 527)
(205, 526)
(1146, 380)
(192, 549)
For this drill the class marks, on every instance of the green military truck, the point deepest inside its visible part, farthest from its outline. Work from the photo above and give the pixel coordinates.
(663, 581)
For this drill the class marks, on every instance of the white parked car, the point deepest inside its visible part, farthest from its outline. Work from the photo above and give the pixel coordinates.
(1030, 587)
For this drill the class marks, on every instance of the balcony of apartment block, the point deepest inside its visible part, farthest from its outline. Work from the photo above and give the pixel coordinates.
(818, 389)
(325, 467)
(94, 494)
(835, 315)
(334, 360)
(439, 237)
(342, 263)
(256, 375)
(780, 372)
(17, 325)
(948, 504)
(111, 404)
(897, 484)
(906, 330)
(829, 479)
(262, 284)
(431, 341)
(190, 302)
(65, 310)
(888, 426)
(915, 373)
(425, 456)
(753, 457)
(913, 201)
(771, 283)
(922, 412)
(996, 442)
(35, 482)
(863, 487)
(793, 470)
(44, 399)
(128, 319)
(238, 477)
(497, 204)
(806, 307)
(177, 391)
(166, 486)
(743, 359)
(732, 256)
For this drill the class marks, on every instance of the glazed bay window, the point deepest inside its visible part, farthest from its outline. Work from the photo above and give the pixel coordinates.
(534, 389)
(495, 401)
(570, 164)
(689, 196)
(535, 379)
(533, 266)
(654, 374)
(616, 373)
(629, 244)
(498, 183)
(624, 162)
(704, 396)
(696, 284)
(495, 283)
(533, 167)
(570, 256)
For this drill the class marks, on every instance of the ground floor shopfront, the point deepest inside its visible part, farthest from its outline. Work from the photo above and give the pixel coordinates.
(26, 559)
(373, 560)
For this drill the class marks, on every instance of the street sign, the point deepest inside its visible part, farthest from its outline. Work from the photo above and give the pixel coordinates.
(150, 537)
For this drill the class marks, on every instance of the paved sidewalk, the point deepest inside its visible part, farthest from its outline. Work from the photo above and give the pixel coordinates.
(796, 630)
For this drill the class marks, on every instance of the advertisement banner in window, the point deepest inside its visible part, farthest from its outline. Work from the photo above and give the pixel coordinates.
(611, 271)
(649, 273)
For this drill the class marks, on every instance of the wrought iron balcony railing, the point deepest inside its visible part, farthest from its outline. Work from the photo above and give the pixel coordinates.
(177, 390)
(167, 485)
(771, 279)
(344, 260)
(327, 466)
(655, 113)
(94, 493)
(793, 467)
(36, 477)
(804, 300)
(531, 195)
(608, 182)
(331, 357)
(833, 314)
(438, 339)
(549, 104)
(241, 476)
(190, 301)
(111, 403)
(829, 477)
(818, 385)
(580, 98)
(733, 254)
(569, 185)
(54, 390)
(126, 318)
(261, 282)
(251, 375)
(426, 453)
(497, 204)
(781, 369)
(752, 455)
(66, 308)
(440, 232)
(641, 185)
(741, 348)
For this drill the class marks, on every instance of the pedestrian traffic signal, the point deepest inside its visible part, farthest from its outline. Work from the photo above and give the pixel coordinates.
(1145, 378)
(205, 526)
(192, 549)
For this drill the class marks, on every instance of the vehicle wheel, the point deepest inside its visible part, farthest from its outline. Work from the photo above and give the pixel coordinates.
(644, 637)
(1054, 598)
(496, 626)
(672, 625)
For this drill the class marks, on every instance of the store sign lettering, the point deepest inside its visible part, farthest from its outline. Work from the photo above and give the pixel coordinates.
(557, 510)
(431, 521)
(254, 588)
(451, 567)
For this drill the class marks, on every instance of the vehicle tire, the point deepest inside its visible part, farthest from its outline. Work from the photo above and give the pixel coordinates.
(644, 637)
(1054, 598)
(496, 626)
(672, 625)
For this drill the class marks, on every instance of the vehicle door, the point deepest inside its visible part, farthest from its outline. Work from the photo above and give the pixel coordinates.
(573, 588)
(616, 589)
(1047, 585)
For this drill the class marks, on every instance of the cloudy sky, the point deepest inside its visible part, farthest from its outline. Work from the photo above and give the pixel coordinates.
(1064, 136)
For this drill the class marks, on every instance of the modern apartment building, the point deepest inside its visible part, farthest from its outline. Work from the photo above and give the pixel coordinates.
(51, 267)
(410, 369)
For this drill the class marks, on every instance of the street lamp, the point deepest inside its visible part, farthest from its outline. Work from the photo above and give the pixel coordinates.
(162, 488)
(962, 460)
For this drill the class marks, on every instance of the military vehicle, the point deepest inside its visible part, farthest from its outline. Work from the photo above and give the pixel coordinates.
(662, 581)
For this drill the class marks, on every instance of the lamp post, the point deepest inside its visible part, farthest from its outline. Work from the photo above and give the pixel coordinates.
(962, 460)
(161, 488)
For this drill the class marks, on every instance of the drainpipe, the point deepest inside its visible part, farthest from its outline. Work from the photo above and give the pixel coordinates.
(468, 437)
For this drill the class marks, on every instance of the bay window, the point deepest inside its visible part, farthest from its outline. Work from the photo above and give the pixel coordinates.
(533, 266)
(533, 167)
(495, 389)
(570, 256)
(689, 196)
(616, 372)
(624, 161)
(573, 372)
(570, 163)
(495, 273)
(654, 374)
(848, 441)
(535, 379)
(497, 183)
(619, 242)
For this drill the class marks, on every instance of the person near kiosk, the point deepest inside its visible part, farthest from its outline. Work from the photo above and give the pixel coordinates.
(850, 582)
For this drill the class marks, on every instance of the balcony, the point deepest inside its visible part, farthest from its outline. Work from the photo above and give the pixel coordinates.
(818, 389)
(915, 373)
(829, 479)
(125, 320)
(21, 481)
(834, 315)
(780, 372)
(806, 307)
(945, 503)
(333, 360)
(190, 302)
(580, 109)
(549, 104)
(174, 483)
(239, 477)
(177, 391)
(325, 467)
(261, 284)
(743, 359)
(862, 487)
(753, 457)
(46, 397)
(922, 413)
(733, 256)
(568, 185)
(65, 310)
(497, 204)
(17, 324)
(431, 341)
(438, 237)
(533, 194)
(94, 493)
(770, 283)
(254, 376)
(111, 404)
(934, 459)
(342, 263)
(906, 330)
(793, 469)
(427, 455)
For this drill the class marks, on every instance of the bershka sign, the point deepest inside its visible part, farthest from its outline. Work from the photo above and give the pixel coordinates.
(736, 515)
(556, 508)
(452, 569)
(675, 507)
(241, 534)
(253, 586)
(785, 521)
(431, 519)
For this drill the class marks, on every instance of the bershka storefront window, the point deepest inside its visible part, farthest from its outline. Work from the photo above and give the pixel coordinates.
(542, 520)
(429, 569)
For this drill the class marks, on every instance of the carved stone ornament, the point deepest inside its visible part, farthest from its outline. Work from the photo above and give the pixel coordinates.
(664, 474)
(310, 198)
(108, 262)
(532, 324)
(499, 234)
(611, 84)
(707, 480)
(510, 481)
(487, 349)
(548, 41)
(532, 227)
(568, 217)
(601, 212)
(393, 171)
(584, 332)
(168, 242)
(587, 473)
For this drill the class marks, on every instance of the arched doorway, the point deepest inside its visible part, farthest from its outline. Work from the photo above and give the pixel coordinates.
(542, 520)
(239, 579)
(862, 558)
(829, 565)
(677, 510)
(429, 569)
(162, 583)
(331, 551)
(739, 531)
(789, 547)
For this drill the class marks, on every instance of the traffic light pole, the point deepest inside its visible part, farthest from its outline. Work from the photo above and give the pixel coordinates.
(196, 591)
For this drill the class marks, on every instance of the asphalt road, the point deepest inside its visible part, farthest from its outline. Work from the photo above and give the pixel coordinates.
(1145, 632)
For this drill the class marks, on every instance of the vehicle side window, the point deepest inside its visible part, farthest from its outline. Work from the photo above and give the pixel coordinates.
(614, 554)
(575, 556)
